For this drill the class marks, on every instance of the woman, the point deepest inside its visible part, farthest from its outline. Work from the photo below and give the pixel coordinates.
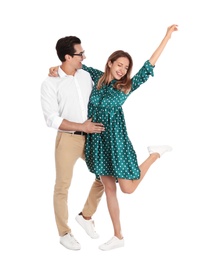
(110, 154)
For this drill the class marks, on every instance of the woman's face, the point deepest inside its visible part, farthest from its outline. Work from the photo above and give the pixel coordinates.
(118, 68)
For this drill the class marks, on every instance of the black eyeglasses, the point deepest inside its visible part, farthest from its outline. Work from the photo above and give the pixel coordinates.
(79, 54)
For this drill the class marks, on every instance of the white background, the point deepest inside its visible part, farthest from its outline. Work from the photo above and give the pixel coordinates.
(164, 218)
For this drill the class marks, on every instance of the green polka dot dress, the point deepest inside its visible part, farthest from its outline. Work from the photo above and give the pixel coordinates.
(111, 153)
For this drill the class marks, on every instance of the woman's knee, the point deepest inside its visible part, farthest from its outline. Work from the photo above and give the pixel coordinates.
(126, 190)
(126, 186)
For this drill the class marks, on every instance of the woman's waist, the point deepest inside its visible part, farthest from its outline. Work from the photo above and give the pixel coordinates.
(103, 108)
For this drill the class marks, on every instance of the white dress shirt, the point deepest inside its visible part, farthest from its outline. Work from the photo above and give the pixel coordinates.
(66, 97)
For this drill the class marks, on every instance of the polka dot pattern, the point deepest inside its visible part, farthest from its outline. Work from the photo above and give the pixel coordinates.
(111, 152)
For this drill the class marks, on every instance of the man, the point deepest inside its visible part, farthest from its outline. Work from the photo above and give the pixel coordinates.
(64, 102)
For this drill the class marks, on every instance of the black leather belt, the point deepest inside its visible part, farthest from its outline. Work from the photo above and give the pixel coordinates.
(79, 133)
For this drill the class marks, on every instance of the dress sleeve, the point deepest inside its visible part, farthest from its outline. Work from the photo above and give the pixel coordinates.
(142, 75)
(94, 73)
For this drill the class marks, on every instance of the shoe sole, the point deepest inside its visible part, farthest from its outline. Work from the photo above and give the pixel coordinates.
(115, 247)
(75, 249)
(167, 147)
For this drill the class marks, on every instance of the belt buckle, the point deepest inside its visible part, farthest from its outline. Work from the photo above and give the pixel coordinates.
(79, 133)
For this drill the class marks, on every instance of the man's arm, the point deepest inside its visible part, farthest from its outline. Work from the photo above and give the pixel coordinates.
(88, 126)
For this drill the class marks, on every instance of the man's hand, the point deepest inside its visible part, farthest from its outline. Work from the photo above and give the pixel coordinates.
(90, 127)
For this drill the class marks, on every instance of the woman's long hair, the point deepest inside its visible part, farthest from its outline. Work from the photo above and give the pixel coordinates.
(124, 84)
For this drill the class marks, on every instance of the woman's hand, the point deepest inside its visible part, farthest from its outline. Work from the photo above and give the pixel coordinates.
(171, 29)
(53, 72)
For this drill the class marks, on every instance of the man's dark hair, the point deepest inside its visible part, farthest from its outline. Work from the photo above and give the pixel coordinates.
(66, 46)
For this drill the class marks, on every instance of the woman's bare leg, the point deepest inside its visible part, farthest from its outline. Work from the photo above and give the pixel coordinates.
(112, 203)
(129, 186)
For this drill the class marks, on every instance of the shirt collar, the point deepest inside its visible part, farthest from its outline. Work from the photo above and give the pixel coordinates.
(62, 74)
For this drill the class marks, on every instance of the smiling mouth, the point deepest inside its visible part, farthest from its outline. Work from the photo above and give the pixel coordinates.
(119, 75)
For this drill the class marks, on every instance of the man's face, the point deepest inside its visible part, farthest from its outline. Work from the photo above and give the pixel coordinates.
(78, 57)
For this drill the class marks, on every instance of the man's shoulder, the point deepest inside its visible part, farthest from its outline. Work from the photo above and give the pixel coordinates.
(51, 82)
(83, 72)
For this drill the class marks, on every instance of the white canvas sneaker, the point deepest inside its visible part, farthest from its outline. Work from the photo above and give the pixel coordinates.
(160, 149)
(113, 243)
(70, 242)
(88, 226)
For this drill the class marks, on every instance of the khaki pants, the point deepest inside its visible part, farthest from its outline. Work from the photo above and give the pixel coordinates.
(69, 148)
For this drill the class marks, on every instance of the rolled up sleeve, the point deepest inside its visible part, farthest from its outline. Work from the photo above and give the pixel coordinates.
(50, 106)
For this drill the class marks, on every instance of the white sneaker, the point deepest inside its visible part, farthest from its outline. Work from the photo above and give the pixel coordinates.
(160, 149)
(70, 242)
(88, 226)
(113, 243)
